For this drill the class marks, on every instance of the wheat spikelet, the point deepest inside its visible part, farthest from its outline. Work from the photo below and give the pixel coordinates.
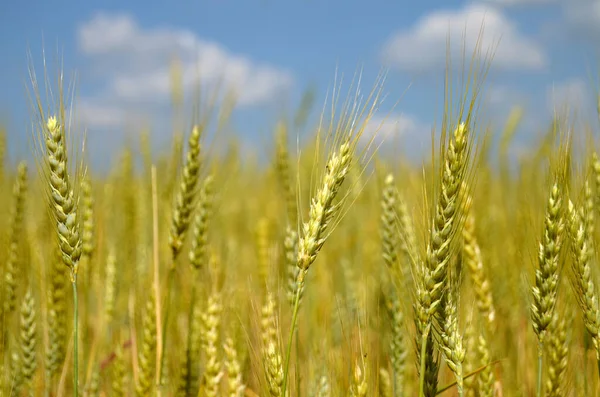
(471, 358)
(398, 350)
(322, 212)
(147, 355)
(57, 317)
(589, 214)
(274, 370)
(64, 203)
(557, 357)
(485, 380)
(433, 272)
(322, 209)
(268, 321)
(28, 339)
(390, 240)
(87, 214)
(200, 241)
(235, 384)
(184, 201)
(408, 240)
(263, 250)
(110, 287)
(211, 320)
(14, 241)
(385, 383)
(359, 387)
(479, 278)
(290, 245)
(270, 345)
(451, 340)
(546, 276)
(323, 387)
(190, 367)
(118, 375)
(582, 281)
(596, 171)
(15, 375)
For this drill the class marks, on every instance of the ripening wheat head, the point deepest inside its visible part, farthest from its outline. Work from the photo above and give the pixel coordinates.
(53, 137)
(342, 137)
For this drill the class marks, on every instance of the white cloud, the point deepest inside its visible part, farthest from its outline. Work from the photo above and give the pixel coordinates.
(394, 126)
(396, 133)
(424, 45)
(502, 95)
(102, 114)
(133, 64)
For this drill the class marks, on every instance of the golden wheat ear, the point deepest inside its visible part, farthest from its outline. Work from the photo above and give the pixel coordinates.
(57, 154)
(434, 308)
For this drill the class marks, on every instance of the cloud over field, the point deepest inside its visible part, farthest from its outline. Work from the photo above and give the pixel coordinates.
(132, 66)
(393, 126)
(423, 46)
(396, 133)
(580, 18)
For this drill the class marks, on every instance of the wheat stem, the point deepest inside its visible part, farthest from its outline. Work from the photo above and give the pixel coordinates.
(288, 354)
(423, 362)
(75, 335)
(540, 368)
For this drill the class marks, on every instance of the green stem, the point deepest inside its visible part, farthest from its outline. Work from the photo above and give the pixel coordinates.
(422, 371)
(170, 280)
(297, 347)
(540, 367)
(190, 358)
(299, 286)
(459, 382)
(75, 336)
(586, 347)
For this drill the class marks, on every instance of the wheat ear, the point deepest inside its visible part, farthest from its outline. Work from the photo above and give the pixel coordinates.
(557, 356)
(359, 387)
(546, 275)
(235, 384)
(180, 222)
(582, 281)
(431, 285)
(64, 206)
(14, 241)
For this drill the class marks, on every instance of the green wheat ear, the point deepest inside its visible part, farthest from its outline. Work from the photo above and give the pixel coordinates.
(51, 134)
(28, 340)
(345, 132)
(185, 199)
(235, 384)
(546, 276)
(62, 196)
(15, 239)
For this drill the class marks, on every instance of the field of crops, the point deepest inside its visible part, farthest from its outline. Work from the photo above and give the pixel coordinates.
(331, 270)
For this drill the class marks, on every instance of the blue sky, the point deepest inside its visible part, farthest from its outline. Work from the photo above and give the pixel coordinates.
(271, 51)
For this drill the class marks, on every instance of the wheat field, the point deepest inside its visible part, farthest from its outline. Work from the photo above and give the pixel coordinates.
(331, 270)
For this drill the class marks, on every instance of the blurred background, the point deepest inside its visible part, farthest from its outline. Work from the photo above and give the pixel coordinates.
(272, 53)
